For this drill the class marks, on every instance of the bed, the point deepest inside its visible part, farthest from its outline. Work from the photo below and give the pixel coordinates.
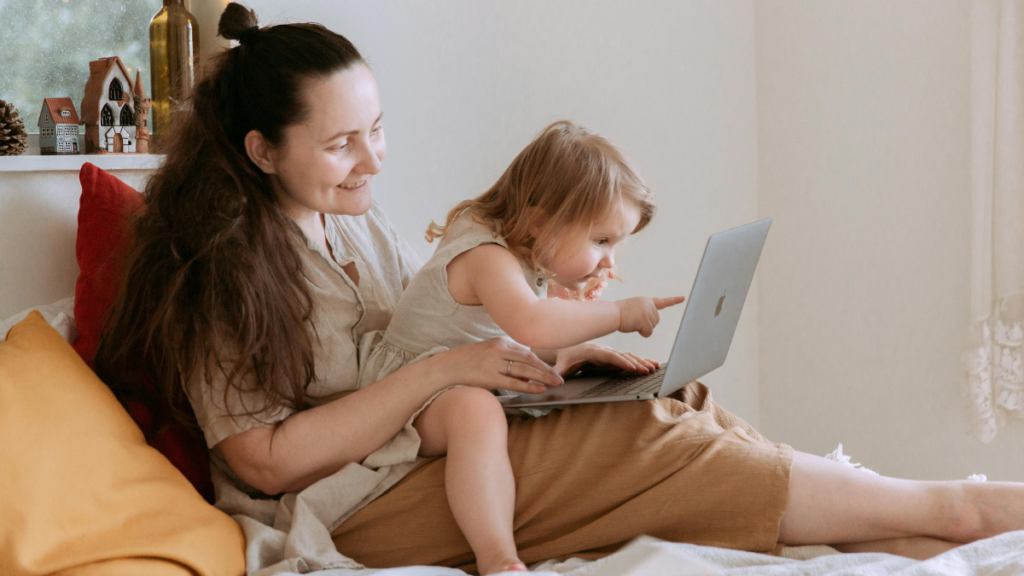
(38, 270)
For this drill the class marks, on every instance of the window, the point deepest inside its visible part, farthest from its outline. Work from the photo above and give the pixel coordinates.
(106, 116)
(127, 118)
(46, 46)
(115, 92)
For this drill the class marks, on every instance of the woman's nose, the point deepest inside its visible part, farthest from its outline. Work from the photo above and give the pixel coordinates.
(369, 163)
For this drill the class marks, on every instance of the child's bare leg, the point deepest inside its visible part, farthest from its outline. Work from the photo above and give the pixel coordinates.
(834, 504)
(468, 424)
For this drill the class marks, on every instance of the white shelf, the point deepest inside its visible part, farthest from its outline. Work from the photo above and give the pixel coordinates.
(32, 161)
(73, 162)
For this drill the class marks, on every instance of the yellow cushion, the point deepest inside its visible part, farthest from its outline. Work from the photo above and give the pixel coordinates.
(81, 493)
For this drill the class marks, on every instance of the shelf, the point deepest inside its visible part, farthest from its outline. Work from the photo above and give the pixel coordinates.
(73, 162)
(32, 161)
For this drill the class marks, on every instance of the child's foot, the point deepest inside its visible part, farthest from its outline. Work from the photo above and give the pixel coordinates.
(506, 565)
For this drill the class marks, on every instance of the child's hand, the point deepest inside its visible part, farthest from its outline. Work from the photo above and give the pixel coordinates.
(640, 314)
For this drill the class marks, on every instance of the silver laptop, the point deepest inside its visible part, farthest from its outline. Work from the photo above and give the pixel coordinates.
(705, 333)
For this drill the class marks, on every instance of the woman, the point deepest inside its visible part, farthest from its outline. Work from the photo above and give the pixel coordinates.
(262, 271)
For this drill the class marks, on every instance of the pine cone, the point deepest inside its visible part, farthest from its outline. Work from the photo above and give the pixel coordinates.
(12, 131)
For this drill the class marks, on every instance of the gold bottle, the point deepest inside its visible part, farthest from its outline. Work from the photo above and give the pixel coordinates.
(173, 56)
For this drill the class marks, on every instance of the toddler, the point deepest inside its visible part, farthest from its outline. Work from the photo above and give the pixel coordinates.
(556, 215)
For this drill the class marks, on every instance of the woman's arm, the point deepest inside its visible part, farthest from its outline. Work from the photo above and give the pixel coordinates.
(313, 444)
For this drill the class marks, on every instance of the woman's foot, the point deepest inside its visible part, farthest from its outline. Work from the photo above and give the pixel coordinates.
(504, 565)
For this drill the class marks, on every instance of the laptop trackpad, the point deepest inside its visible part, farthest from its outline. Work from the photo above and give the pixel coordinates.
(572, 388)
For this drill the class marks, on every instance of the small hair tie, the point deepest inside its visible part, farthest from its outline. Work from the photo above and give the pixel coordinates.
(247, 34)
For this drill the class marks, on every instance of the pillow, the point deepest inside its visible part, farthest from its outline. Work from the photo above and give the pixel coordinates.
(104, 213)
(104, 237)
(59, 315)
(82, 492)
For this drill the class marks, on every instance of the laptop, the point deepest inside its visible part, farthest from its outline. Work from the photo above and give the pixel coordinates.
(705, 333)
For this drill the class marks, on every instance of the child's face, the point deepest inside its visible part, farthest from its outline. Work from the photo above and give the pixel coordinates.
(578, 260)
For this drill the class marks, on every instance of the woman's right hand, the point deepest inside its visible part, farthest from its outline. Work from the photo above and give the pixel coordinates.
(497, 363)
(640, 314)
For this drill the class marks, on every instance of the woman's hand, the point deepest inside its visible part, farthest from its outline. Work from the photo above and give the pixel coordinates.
(640, 314)
(569, 360)
(496, 363)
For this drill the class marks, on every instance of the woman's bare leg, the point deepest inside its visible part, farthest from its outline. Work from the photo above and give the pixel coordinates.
(916, 547)
(468, 424)
(830, 503)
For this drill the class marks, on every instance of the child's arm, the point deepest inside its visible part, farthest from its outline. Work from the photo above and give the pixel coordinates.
(491, 276)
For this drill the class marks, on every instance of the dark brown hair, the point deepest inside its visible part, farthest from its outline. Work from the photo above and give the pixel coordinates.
(213, 280)
(572, 175)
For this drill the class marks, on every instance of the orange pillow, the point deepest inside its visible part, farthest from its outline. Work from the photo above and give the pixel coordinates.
(81, 492)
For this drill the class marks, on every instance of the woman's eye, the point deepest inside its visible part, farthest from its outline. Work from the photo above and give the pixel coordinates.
(338, 148)
(376, 129)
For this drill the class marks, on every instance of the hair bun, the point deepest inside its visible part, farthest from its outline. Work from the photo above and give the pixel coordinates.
(237, 22)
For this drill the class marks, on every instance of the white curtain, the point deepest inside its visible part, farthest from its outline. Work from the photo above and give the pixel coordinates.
(994, 357)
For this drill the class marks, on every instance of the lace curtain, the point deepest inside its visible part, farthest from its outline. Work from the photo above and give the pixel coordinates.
(994, 356)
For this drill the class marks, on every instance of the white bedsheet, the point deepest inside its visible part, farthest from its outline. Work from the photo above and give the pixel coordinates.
(1000, 555)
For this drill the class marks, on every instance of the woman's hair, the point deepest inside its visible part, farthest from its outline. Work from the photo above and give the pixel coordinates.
(573, 176)
(214, 280)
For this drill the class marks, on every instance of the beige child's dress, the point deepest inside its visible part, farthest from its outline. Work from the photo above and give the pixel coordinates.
(428, 319)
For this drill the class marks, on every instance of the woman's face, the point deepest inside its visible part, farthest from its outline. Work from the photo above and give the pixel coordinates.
(325, 163)
(579, 260)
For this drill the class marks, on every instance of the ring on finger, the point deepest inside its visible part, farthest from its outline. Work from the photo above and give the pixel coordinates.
(508, 371)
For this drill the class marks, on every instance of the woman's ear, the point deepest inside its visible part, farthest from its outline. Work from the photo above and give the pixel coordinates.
(260, 151)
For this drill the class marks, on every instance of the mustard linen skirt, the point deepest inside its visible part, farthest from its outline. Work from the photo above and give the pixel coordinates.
(591, 477)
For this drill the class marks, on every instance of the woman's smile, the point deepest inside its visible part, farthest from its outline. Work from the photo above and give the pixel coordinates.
(355, 185)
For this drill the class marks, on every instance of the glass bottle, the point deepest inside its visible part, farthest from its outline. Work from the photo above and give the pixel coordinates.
(173, 55)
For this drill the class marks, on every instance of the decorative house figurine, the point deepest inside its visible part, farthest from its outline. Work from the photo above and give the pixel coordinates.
(108, 108)
(58, 127)
(142, 106)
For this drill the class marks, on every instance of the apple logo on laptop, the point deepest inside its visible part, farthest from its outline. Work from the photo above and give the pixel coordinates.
(718, 309)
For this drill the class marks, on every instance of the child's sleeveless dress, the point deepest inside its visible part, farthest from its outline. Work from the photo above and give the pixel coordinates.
(428, 320)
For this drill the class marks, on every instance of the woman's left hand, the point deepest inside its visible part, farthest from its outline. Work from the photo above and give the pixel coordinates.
(570, 359)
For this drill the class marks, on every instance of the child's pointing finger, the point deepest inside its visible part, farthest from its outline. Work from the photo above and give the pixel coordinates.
(661, 303)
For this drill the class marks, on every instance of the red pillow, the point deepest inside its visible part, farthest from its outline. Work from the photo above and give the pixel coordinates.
(104, 211)
(104, 237)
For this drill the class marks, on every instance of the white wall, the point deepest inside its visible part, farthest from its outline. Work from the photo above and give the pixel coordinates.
(465, 85)
(38, 225)
(863, 161)
(852, 132)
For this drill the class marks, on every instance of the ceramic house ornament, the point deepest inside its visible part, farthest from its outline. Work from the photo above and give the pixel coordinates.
(108, 108)
(58, 127)
(142, 107)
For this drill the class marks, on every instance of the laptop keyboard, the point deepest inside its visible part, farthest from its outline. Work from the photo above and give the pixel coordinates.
(627, 385)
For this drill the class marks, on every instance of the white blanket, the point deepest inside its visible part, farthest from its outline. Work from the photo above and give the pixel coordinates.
(1000, 555)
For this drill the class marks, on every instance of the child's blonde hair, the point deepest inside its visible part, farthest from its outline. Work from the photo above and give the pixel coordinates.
(572, 175)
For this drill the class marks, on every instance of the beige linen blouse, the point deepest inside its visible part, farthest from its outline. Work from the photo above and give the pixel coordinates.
(293, 533)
